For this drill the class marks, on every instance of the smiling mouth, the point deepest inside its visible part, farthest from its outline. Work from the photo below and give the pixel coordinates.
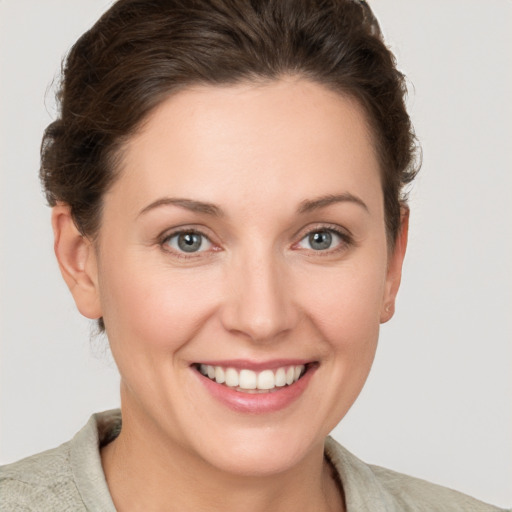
(249, 381)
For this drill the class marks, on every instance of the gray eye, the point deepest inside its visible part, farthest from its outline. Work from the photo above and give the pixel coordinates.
(320, 240)
(189, 241)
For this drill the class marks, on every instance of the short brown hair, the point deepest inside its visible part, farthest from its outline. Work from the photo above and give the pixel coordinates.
(140, 51)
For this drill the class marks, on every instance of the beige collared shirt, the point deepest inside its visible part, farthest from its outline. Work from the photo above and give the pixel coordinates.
(71, 478)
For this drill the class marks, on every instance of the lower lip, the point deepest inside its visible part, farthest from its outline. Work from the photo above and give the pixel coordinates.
(257, 403)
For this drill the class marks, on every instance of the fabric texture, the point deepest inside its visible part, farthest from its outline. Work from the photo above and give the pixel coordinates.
(71, 478)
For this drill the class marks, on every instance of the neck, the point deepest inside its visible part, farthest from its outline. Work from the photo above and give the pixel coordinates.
(146, 471)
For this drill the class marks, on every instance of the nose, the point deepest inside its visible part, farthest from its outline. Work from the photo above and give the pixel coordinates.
(258, 303)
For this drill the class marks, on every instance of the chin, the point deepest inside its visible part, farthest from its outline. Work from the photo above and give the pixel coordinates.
(258, 459)
(259, 451)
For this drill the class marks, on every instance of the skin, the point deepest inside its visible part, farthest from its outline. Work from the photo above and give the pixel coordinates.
(257, 291)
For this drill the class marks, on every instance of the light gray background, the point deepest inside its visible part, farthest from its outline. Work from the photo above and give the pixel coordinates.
(438, 403)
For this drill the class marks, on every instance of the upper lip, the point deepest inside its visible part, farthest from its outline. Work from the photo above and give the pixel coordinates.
(255, 365)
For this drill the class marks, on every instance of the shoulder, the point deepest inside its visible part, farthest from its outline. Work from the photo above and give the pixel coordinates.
(367, 486)
(41, 482)
(416, 494)
(67, 478)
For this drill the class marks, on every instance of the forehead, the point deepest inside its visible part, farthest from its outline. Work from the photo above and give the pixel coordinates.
(251, 143)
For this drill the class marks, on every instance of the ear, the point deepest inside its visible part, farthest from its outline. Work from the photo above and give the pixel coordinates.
(77, 261)
(394, 272)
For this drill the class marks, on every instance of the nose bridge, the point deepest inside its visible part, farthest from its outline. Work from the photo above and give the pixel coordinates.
(258, 302)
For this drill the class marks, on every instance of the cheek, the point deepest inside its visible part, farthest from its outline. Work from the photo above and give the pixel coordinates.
(345, 307)
(156, 307)
(345, 303)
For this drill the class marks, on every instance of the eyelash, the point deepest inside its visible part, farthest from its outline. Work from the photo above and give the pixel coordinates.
(346, 241)
(183, 255)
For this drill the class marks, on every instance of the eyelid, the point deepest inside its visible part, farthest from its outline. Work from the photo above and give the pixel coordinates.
(346, 237)
(162, 241)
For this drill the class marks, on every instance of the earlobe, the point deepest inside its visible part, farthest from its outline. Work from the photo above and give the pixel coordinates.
(394, 272)
(77, 262)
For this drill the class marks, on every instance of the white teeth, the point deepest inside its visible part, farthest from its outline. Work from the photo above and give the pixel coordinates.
(250, 381)
(280, 377)
(266, 380)
(220, 375)
(231, 378)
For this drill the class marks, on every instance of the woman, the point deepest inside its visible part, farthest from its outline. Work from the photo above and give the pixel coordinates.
(227, 191)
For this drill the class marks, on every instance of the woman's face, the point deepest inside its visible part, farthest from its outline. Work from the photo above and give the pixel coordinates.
(246, 234)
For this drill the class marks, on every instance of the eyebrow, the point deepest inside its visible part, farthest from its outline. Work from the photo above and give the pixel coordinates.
(188, 204)
(305, 206)
(308, 205)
